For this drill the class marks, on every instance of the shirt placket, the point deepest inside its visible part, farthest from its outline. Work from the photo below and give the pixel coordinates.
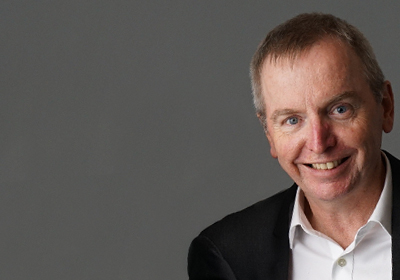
(342, 262)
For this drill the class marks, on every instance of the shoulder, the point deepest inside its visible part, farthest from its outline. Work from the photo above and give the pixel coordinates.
(255, 221)
(253, 241)
(393, 160)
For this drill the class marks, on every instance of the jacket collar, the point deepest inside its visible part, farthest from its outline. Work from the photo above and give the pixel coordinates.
(395, 163)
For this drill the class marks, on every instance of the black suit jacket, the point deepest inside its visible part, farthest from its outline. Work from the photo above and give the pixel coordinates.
(254, 243)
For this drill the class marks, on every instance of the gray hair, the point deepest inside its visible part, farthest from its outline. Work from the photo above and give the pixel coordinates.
(300, 33)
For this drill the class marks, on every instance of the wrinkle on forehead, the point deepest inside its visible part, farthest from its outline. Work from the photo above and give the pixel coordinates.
(290, 55)
(327, 68)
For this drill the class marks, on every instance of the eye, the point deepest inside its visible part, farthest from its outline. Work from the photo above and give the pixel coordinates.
(341, 109)
(292, 120)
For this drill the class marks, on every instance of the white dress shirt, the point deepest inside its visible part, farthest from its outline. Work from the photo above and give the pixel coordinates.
(369, 256)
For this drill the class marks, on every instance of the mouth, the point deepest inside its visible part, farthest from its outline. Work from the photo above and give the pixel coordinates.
(327, 165)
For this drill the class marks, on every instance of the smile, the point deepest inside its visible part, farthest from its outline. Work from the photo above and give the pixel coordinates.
(327, 165)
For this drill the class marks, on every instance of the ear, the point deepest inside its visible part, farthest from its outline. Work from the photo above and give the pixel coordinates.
(388, 107)
(263, 121)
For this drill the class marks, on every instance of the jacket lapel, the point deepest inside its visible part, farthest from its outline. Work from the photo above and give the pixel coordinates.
(395, 165)
(281, 237)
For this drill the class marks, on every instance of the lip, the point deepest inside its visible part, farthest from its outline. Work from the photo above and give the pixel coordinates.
(326, 165)
(332, 164)
(345, 161)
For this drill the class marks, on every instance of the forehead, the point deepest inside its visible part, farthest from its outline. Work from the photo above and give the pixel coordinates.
(328, 68)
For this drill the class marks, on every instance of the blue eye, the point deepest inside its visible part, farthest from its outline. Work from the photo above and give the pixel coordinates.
(292, 120)
(341, 109)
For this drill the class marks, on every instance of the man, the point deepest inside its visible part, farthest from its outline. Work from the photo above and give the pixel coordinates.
(323, 102)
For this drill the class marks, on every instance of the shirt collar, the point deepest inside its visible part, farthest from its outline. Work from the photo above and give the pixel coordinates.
(383, 209)
(382, 212)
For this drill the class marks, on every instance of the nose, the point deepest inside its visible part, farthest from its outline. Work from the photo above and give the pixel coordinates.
(320, 136)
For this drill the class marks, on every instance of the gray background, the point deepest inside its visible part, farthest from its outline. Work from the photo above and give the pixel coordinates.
(127, 127)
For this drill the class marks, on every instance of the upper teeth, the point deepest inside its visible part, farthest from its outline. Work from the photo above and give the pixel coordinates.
(327, 165)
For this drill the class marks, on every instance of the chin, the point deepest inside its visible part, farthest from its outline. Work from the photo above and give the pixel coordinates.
(327, 192)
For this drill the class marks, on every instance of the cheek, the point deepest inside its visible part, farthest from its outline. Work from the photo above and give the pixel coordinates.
(366, 131)
(362, 134)
(288, 149)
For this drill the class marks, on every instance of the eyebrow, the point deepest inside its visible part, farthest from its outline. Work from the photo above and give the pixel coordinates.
(285, 112)
(344, 95)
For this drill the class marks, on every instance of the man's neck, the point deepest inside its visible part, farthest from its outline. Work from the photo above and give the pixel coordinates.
(342, 218)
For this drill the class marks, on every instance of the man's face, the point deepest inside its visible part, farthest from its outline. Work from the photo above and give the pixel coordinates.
(323, 123)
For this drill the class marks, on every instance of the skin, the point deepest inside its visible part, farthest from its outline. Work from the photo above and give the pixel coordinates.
(321, 110)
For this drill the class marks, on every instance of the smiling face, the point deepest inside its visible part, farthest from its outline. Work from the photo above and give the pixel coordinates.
(324, 124)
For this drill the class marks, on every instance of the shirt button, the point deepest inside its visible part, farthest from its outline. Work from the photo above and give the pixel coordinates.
(342, 262)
